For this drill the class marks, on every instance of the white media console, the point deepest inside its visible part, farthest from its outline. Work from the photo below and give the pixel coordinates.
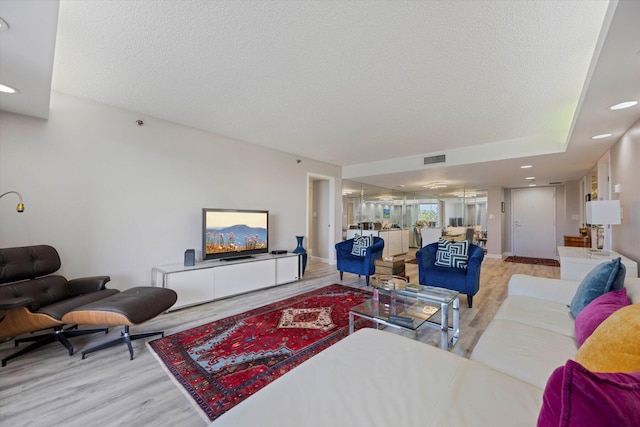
(210, 280)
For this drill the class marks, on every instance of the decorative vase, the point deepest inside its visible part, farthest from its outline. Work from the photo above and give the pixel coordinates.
(302, 251)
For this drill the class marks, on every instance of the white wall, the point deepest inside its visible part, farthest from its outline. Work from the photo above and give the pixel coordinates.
(116, 198)
(573, 207)
(625, 156)
(495, 223)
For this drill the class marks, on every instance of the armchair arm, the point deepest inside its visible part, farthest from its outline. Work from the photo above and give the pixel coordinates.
(475, 260)
(344, 247)
(374, 251)
(474, 263)
(426, 256)
(86, 285)
(11, 303)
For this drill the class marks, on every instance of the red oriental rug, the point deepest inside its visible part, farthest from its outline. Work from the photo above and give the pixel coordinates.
(536, 261)
(224, 362)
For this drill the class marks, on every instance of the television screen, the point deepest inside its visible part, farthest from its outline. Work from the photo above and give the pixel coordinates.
(232, 233)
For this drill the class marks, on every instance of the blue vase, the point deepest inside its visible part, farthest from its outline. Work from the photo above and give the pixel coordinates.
(302, 251)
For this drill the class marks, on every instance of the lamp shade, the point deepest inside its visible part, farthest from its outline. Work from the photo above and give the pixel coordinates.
(603, 212)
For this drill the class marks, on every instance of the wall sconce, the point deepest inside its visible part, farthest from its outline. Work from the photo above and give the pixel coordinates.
(20, 207)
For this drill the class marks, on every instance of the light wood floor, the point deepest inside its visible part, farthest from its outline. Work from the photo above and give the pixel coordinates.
(50, 388)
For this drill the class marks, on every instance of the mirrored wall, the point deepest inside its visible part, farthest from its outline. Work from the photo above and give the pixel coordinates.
(431, 213)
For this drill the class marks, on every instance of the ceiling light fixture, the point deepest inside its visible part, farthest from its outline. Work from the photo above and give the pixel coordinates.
(532, 185)
(435, 185)
(465, 194)
(601, 136)
(526, 167)
(8, 89)
(623, 105)
(530, 177)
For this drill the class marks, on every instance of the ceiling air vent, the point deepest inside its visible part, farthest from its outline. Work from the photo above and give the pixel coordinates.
(441, 158)
(555, 183)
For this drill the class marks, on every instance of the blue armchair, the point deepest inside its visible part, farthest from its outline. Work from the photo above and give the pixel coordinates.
(464, 280)
(360, 265)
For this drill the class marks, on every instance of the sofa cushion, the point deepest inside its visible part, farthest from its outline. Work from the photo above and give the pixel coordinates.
(543, 314)
(523, 351)
(615, 345)
(632, 285)
(426, 387)
(360, 244)
(597, 311)
(601, 279)
(574, 396)
(452, 254)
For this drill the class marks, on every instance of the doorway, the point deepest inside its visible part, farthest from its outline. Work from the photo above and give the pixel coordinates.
(321, 217)
(533, 222)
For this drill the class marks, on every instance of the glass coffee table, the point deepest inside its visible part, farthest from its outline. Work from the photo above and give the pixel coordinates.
(410, 306)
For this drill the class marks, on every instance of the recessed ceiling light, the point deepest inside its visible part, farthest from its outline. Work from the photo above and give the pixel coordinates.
(526, 167)
(532, 185)
(8, 89)
(601, 136)
(623, 105)
(3, 25)
(530, 177)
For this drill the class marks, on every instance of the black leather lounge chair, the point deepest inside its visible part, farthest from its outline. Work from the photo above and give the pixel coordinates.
(32, 299)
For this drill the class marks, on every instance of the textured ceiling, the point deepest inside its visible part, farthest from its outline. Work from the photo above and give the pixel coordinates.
(349, 83)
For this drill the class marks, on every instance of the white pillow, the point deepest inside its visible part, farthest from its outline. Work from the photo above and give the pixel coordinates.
(360, 244)
(452, 254)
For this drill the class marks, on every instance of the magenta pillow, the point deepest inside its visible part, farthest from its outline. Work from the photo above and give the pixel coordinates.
(574, 396)
(597, 312)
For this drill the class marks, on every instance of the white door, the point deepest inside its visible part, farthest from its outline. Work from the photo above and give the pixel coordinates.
(533, 222)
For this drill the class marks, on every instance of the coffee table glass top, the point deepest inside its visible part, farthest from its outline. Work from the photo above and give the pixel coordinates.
(408, 307)
(412, 290)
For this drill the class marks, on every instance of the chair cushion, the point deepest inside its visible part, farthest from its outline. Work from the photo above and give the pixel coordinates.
(27, 262)
(574, 396)
(130, 307)
(597, 311)
(360, 244)
(605, 277)
(452, 254)
(614, 345)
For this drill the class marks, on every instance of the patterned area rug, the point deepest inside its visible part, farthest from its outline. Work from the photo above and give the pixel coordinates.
(536, 261)
(224, 362)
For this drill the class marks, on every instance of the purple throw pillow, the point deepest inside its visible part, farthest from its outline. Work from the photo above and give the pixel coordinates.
(574, 396)
(597, 312)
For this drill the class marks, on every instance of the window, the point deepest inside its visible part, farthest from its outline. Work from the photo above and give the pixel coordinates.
(429, 213)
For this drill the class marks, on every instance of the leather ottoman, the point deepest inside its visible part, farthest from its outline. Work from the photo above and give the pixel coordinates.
(131, 307)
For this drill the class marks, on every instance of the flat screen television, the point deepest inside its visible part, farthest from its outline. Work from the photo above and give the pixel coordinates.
(233, 233)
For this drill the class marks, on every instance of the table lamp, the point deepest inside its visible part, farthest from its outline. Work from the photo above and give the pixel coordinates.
(601, 213)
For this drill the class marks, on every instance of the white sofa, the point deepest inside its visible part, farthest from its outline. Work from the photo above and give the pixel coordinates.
(377, 378)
